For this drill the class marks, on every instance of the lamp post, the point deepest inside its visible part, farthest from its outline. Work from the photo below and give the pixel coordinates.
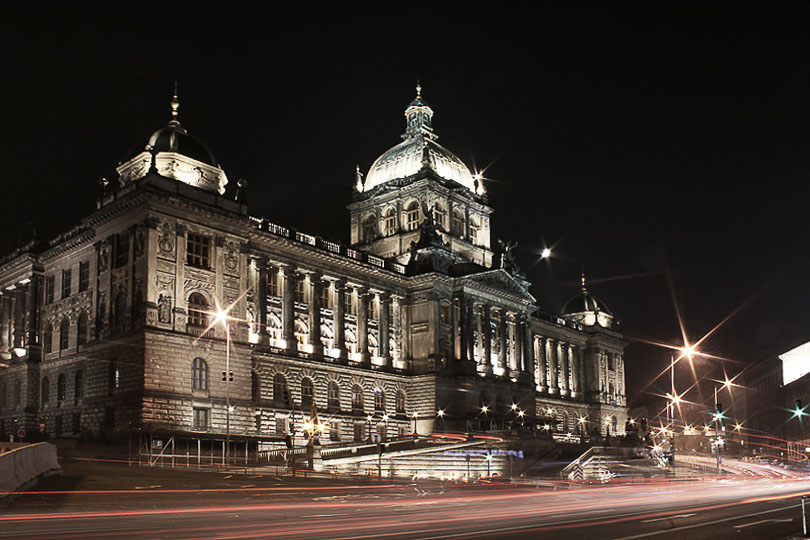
(222, 317)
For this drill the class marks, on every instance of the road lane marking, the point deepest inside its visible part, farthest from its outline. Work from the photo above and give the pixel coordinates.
(667, 517)
(786, 520)
(723, 520)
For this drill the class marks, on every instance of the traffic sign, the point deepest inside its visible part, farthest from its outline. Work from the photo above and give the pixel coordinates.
(376, 438)
(21, 433)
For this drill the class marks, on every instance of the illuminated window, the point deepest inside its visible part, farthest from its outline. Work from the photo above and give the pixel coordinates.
(412, 216)
(272, 282)
(45, 394)
(199, 374)
(64, 334)
(66, 283)
(198, 248)
(114, 378)
(400, 404)
(197, 307)
(379, 399)
(474, 229)
(357, 397)
(333, 395)
(307, 391)
(440, 216)
(84, 276)
(390, 222)
(281, 394)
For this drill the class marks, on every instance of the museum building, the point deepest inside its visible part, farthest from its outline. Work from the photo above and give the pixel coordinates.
(172, 308)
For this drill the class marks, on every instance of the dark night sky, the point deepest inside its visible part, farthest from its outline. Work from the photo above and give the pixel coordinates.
(656, 145)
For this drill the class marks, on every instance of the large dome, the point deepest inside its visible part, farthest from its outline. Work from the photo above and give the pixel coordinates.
(419, 150)
(408, 157)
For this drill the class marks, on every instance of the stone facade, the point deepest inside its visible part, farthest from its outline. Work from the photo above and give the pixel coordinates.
(112, 326)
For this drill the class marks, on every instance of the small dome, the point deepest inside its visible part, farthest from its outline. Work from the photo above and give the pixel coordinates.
(174, 138)
(587, 310)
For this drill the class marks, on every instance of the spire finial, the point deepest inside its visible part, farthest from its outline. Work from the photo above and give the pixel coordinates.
(359, 176)
(418, 88)
(175, 105)
(583, 277)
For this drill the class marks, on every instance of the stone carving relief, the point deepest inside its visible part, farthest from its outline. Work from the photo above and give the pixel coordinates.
(140, 242)
(103, 256)
(191, 284)
(166, 244)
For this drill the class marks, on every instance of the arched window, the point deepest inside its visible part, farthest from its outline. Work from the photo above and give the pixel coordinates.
(307, 391)
(281, 394)
(45, 394)
(47, 338)
(199, 374)
(357, 397)
(61, 388)
(17, 392)
(379, 399)
(400, 404)
(81, 329)
(274, 328)
(333, 395)
(457, 226)
(64, 334)
(412, 216)
(440, 216)
(301, 333)
(78, 386)
(390, 222)
(369, 229)
(197, 307)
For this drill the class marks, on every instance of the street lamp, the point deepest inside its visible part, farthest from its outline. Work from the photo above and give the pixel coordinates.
(223, 318)
(545, 254)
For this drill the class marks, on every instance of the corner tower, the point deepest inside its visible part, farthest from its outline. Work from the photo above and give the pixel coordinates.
(417, 176)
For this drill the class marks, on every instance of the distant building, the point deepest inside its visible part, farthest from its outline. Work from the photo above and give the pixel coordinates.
(417, 325)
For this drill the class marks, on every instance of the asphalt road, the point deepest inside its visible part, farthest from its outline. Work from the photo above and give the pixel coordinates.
(739, 508)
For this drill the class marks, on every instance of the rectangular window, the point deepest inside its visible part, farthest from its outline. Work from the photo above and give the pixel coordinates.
(84, 276)
(334, 431)
(121, 250)
(65, 283)
(444, 314)
(272, 282)
(300, 285)
(358, 432)
(281, 426)
(200, 418)
(198, 249)
(49, 285)
(326, 296)
(372, 308)
(349, 301)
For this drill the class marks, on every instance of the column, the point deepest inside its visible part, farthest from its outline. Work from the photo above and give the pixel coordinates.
(574, 370)
(502, 330)
(479, 327)
(540, 365)
(463, 333)
(562, 359)
(384, 326)
(528, 348)
(340, 317)
(552, 366)
(487, 316)
(4, 323)
(362, 324)
(288, 310)
(397, 313)
(19, 317)
(260, 306)
(316, 286)
(468, 330)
